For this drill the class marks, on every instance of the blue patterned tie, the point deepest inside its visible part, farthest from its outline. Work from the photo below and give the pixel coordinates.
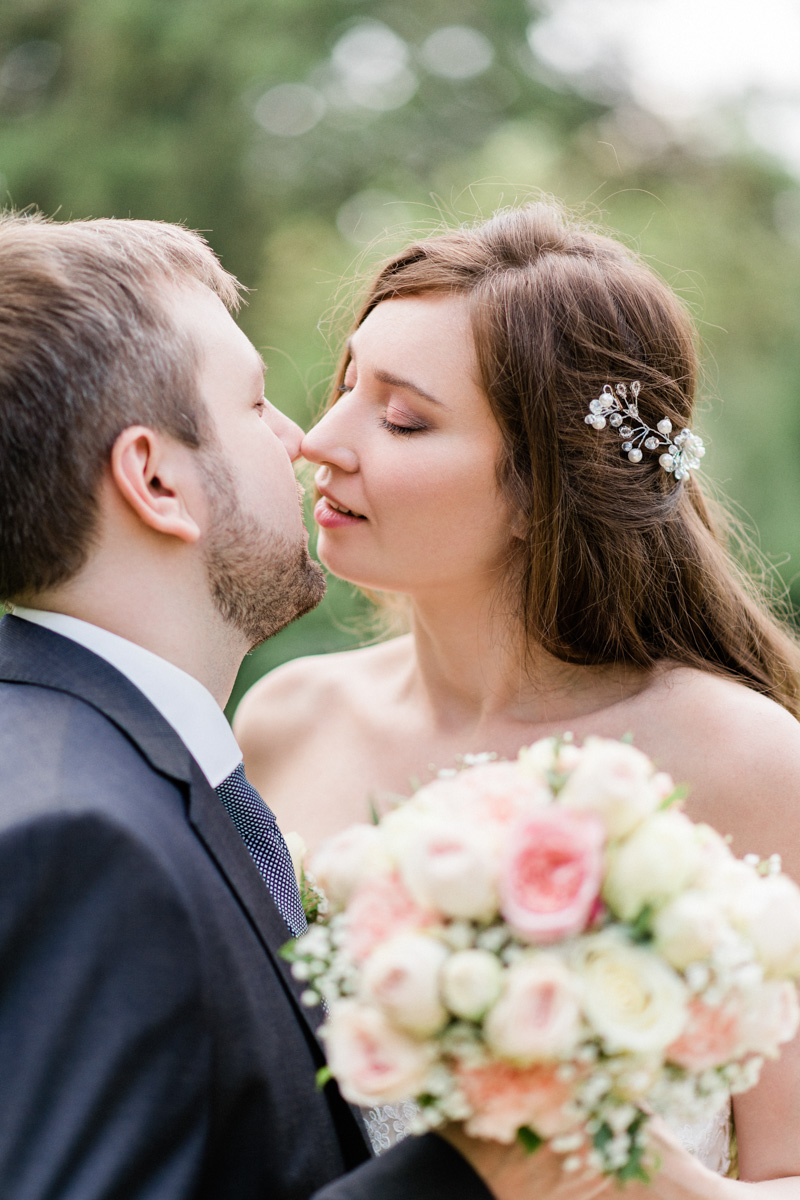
(259, 831)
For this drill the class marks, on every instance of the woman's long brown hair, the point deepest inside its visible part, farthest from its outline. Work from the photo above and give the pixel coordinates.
(619, 563)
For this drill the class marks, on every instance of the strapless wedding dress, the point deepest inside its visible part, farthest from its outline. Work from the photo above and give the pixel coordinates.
(709, 1141)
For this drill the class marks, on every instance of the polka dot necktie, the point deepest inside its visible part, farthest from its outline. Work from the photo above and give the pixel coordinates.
(259, 831)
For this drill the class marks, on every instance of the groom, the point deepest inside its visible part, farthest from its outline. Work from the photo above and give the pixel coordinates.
(152, 1043)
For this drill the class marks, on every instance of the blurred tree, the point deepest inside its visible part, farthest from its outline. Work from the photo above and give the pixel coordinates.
(299, 133)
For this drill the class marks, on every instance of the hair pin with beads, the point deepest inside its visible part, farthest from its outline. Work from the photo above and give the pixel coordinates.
(620, 409)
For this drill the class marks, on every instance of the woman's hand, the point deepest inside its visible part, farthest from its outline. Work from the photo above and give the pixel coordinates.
(511, 1173)
(675, 1173)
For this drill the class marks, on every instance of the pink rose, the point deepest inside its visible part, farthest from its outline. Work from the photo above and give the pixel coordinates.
(505, 1098)
(537, 1018)
(380, 908)
(710, 1038)
(552, 874)
(503, 792)
(373, 1062)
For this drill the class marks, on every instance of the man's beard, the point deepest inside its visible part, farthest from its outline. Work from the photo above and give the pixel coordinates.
(259, 581)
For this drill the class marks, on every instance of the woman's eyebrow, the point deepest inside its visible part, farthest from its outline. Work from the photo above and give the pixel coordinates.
(407, 385)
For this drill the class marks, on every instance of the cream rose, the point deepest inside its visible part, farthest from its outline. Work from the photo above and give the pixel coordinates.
(689, 928)
(773, 1020)
(651, 866)
(344, 861)
(552, 872)
(471, 982)
(616, 782)
(451, 868)
(768, 915)
(634, 1001)
(401, 976)
(537, 1018)
(373, 1062)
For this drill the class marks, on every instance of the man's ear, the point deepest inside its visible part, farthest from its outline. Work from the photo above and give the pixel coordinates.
(151, 473)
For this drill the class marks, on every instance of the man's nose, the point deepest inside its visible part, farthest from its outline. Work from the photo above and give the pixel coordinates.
(289, 433)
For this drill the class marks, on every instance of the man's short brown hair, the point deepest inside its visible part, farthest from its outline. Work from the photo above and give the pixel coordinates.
(87, 348)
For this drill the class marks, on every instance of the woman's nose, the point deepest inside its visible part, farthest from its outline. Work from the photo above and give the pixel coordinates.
(327, 445)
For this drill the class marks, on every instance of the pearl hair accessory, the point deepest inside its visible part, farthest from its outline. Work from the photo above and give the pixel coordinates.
(682, 452)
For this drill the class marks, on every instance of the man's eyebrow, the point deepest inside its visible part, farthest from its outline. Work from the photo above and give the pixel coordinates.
(398, 381)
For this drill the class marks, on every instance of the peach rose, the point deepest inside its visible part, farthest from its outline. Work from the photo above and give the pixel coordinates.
(381, 908)
(537, 1018)
(551, 877)
(711, 1037)
(373, 1062)
(401, 976)
(506, 1098)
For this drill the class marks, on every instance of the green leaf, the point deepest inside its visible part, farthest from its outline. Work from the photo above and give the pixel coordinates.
(324, 1076)
(529, 1140)
(640, 929)
(676, 795)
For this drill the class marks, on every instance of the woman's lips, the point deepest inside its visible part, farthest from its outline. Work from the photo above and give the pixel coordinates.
(328, 517)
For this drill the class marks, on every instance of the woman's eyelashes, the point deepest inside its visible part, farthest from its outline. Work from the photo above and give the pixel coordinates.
(400, 430)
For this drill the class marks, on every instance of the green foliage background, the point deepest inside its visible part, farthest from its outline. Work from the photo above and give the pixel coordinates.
(150, 109)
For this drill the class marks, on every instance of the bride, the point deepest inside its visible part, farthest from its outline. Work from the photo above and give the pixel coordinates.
(558, 573)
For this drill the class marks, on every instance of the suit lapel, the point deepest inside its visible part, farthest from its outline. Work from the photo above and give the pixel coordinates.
(30, 654)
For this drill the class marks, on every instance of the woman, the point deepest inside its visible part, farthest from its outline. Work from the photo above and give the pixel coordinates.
(557, 575)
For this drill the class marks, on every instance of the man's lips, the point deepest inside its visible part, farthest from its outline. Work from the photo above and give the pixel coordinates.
(330, 514)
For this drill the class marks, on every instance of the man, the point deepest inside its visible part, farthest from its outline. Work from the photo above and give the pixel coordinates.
(152, 1044)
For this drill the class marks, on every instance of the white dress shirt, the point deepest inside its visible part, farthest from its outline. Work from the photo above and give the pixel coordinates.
(181, 699)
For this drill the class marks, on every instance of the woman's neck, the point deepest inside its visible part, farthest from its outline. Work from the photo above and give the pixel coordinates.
(472, 666)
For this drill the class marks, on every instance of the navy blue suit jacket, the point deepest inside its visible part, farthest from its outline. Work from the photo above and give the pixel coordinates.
(152, 1042)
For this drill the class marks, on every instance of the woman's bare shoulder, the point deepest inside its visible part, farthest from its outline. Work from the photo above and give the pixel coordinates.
(286, 700)
(740, 753)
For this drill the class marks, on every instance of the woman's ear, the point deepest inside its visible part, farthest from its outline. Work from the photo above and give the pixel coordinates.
(153, 475)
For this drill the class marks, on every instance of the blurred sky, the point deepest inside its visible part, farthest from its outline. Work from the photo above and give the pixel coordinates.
(706, 66)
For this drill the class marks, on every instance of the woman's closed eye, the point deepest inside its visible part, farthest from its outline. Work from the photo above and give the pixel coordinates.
(401, 430)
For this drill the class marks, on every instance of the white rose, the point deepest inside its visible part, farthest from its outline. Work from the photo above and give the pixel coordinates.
(451, 868)
(540, 759)
(633, 1000)
(771, 1020)
(689, 928)
(344, 861)
(372, 1061)
(768, 915)
(616, 782)
(471, 981)
(297, 852)
(402, 977)
(537, 1018)
(654, 864)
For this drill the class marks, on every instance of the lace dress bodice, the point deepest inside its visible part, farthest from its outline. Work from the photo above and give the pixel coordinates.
(709, 1141)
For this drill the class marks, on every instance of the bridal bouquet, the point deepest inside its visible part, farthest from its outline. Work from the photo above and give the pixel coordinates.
(547, 949)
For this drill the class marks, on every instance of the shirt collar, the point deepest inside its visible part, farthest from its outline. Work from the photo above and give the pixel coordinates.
(181, 699)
